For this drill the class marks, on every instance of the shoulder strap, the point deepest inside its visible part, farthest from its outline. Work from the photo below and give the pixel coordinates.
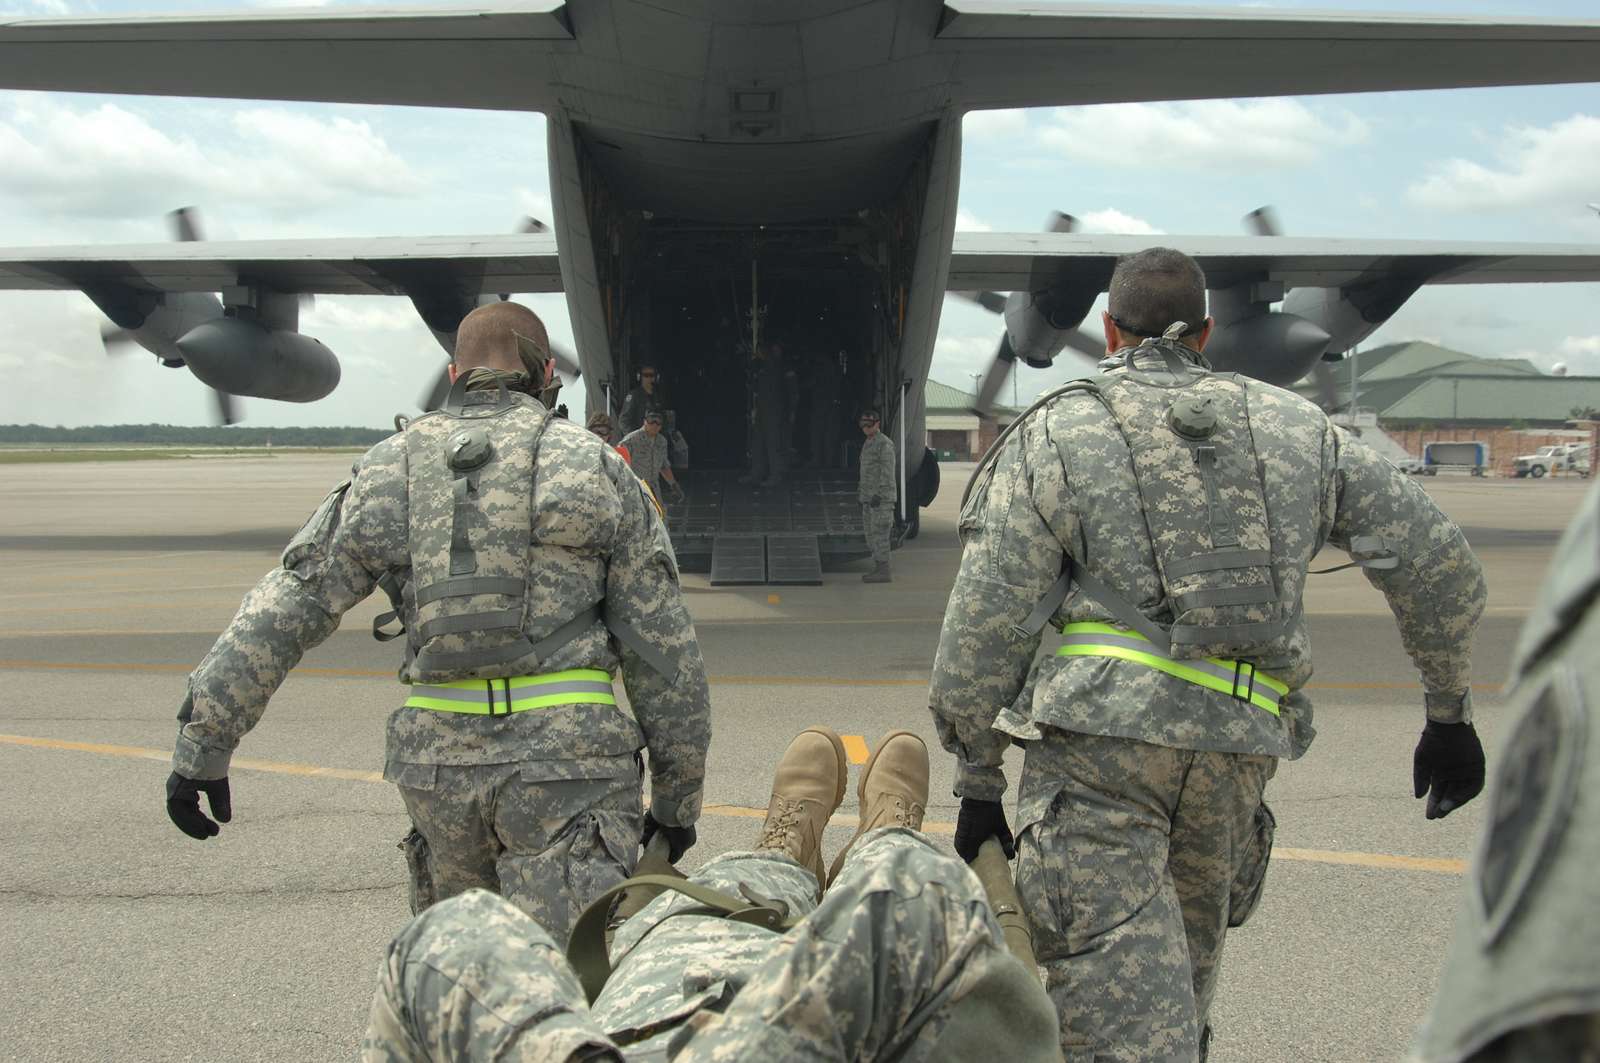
(1126, 613)
(1091, 384)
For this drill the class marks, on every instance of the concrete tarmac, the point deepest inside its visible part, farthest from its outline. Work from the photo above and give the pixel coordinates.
(121, 937)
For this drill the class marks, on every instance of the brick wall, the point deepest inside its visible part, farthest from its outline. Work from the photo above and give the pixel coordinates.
(1504, 443)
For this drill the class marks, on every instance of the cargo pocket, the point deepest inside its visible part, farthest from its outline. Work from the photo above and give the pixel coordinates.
(570, 829)
(419, 866)
(309, 544)
(407, 776)
(1251, 874)
(1041, 885)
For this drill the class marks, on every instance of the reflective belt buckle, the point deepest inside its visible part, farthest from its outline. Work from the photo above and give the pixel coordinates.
(506, 691)
(1239, 669)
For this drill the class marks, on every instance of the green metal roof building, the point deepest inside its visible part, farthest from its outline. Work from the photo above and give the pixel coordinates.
(955, 430)
(1421, 384)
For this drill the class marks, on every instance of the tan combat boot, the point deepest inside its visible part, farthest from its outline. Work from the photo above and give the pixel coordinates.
(893, 790)
(806, 790)
(879, 574)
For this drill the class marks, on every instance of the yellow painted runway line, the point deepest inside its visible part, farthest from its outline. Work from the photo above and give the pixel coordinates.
(1440, 865)
(855, 747)
(1380, 861)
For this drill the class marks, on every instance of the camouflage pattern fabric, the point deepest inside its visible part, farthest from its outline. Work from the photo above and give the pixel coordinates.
(877, 524)
(473, 978)
(1063, 484)
(648, 456)
(595, 536)
(1520, 980)
(877, 470)
(548, 835)
(877, 481)
(898, 947)
(1124, 892)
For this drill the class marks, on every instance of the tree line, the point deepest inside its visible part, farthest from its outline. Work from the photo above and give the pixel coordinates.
(190, 435)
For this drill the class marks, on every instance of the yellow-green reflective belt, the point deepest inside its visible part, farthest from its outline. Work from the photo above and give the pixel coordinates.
(1237, 679)
(499, 697)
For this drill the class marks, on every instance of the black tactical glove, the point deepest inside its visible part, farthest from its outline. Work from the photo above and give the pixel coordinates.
(183, 804)
(978, 822)
(679, 839)
(1447, 766)
(875, 501)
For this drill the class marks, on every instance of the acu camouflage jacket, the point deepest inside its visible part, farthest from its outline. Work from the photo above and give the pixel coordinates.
(595, 536)
(1063, 484)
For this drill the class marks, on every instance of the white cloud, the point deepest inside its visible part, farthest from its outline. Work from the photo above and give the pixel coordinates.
(366, 313)
(1549, 166)
(971, 223)
(983, 125)
(1205, 134)
(107, 161)
(1115, 221)
(1581, 355)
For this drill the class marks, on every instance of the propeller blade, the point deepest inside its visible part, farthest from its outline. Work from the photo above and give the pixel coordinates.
(433, 398)
(1060, 222)
(995, 378)
(115, 340)
(1089, 346)
(185, 223)
(1263, 221)
(1327, 386)
(226, 411)
(993, 302)
(566, 361)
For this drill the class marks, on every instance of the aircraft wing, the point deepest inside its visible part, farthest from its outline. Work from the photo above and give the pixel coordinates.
(1032, 54)
(976, 54)
(1031, 262)
(468, 265)
(490, 56)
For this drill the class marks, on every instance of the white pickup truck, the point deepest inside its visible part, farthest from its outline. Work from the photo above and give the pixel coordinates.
(1559, 457)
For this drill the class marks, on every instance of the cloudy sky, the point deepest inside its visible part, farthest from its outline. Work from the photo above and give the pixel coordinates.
(1494, 164)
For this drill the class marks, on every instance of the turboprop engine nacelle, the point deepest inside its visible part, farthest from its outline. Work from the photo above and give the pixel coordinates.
(245, 358)
(1273, 346)
(1041, 324)
(1351, 314)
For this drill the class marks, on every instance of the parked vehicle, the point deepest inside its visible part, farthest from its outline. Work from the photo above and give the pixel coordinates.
(1558, 457)
(1408, 464)
(1470, 455)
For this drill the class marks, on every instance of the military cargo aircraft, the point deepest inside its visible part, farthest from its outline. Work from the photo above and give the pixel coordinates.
(727, 171)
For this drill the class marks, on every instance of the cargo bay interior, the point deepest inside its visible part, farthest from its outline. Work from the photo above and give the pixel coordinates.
(819, 292)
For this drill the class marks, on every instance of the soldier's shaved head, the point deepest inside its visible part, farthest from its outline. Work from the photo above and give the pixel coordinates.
(1151, 289)
(488, 338)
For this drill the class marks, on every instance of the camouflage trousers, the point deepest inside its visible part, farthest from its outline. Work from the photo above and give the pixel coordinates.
(877, 522)
(549, 835)
(1133, 861)
(902, 943)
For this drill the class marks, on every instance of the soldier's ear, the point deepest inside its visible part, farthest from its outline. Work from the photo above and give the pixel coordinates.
(452, 372)
(1204, 334)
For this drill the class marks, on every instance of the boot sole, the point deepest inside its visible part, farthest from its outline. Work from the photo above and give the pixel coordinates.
(861, 795)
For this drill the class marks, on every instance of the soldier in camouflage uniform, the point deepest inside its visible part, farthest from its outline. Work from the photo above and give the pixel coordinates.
(1521, 980)
(1162, 518)
(527, 565)
(649, 454)
(901, 960)
(876, 492)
